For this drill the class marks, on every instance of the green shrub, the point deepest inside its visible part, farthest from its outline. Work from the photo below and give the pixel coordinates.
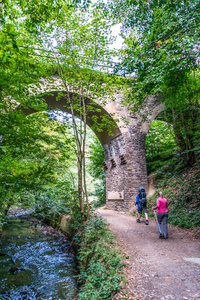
(100, 264)
(160, 145)
(100, 193)
(182, 190)
(49, 211)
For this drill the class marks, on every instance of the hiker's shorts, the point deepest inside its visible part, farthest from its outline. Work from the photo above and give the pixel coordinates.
(142, 208)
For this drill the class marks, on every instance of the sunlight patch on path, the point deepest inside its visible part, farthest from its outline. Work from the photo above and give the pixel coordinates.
(195, 260)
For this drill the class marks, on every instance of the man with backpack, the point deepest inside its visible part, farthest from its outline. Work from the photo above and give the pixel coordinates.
(141, 202)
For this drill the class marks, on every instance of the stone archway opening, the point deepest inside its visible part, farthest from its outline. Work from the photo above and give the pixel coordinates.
(99, 123)
(102, 118)
(123, 144)
(95, 156)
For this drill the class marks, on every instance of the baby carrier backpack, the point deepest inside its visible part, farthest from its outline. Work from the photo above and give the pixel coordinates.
(142, 197)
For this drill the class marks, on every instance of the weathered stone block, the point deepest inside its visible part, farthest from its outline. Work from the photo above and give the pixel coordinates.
(116, 195)
(64, 223)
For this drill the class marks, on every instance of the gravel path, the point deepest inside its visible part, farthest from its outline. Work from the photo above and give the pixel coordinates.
(156, 269)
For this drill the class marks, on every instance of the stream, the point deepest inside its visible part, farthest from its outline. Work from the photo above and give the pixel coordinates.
(35, 262)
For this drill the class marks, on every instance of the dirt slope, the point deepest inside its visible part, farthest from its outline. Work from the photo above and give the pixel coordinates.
(157, 269)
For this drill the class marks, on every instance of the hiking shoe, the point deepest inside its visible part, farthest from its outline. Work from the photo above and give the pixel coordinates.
(161, 236)
(138, 220)
(147, 222)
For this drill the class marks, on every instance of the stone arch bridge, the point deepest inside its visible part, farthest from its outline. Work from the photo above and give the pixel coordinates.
(124, 148)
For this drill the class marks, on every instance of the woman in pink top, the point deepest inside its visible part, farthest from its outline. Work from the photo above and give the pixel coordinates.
(162, 215)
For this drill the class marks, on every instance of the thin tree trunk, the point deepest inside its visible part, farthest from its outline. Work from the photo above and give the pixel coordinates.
(84, 170)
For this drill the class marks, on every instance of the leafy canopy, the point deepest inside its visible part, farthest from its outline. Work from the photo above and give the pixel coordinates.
(162, 42)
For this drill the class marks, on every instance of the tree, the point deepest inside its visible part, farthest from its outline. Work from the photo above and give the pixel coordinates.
(160, 145)
(34, 157)
(60, 39)
(162, 48)
(20, 64)
(96, 169)
(81, 56)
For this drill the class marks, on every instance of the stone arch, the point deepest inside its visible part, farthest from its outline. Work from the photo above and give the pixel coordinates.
(104, 136)
(124, 148)
(113, 142)
(152, 116)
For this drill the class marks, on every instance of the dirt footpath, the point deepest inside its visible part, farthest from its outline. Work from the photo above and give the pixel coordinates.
(157, 269)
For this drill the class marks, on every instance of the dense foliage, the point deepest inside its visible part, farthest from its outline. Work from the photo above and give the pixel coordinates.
(99, 260)
(33, 159)
(162, 41)
(47, 209)
(64, 41)
(160, 145)
(162, 49)
(181, 188)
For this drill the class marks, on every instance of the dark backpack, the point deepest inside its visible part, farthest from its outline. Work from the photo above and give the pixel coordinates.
(142, 196)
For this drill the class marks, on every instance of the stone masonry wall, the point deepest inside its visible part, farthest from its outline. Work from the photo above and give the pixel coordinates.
(125, 169)
(125, 161)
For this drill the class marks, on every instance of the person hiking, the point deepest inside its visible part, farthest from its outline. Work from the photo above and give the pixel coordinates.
(162, 215)
(141, 203)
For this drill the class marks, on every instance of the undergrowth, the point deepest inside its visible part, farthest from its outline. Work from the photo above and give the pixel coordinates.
(100, 263)
(181, 187)
(49, 211)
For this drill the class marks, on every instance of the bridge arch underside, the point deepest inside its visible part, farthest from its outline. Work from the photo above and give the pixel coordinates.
(97, 117)
(125, 162)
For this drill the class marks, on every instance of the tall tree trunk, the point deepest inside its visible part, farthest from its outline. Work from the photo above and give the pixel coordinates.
(80, 187)
(84, 170)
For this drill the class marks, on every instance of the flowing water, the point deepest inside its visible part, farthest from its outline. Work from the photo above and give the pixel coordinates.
(34, 265)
